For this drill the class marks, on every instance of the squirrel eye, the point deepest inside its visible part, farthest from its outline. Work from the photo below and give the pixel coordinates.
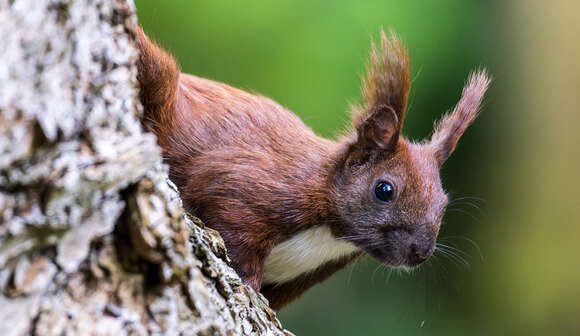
(384, 191)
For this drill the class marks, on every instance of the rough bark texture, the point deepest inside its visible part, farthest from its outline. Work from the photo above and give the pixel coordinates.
(93, 239)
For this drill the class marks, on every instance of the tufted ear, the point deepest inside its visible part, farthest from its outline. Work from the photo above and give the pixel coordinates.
(380, 130)
(451, 127)
(385, 91)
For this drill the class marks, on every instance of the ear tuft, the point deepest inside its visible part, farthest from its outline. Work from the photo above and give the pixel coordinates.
(385, 90)
(451, 127)
(387, 79)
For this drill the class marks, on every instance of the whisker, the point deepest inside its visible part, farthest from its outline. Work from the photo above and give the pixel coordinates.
(452, 256)
(355, 237)
(472, 242)
(389, 274)
(468, 198)
(375, 244)
(436, 259)
(453, 249)
(351, 271)
(443, 254)
(375, 272)
(459, 258)
(466, 213)
(473, 205)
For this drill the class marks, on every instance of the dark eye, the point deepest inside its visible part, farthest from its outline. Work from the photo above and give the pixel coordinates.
(384, 191)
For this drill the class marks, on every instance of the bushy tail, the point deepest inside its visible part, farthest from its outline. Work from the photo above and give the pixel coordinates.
(158, 75)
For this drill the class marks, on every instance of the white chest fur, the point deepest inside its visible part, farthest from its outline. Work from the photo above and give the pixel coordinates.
(303, 253)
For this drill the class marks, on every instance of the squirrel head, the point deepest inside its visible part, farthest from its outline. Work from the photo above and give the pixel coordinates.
(387, 190)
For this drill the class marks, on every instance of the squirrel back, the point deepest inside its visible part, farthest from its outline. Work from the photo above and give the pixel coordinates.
(194, 116)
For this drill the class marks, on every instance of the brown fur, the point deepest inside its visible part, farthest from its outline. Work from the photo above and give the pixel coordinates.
(255, 172)
(158, 75)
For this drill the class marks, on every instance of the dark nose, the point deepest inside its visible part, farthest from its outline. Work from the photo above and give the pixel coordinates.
(418, 253)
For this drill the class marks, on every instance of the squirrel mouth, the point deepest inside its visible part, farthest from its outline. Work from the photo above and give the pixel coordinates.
(409, 257)
(402, 247)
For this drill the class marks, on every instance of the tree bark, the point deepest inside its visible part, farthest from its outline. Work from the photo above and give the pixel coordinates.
(93, 238)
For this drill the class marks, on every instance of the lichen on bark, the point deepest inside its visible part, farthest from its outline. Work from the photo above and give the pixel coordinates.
(93, 238)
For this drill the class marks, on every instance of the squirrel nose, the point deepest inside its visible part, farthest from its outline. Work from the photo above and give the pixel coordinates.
(418, 254)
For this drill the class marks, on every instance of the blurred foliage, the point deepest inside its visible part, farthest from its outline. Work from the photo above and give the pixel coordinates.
(519, 234)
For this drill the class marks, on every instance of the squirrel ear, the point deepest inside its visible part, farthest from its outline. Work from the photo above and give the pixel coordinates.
(385, 90)
(387, 80)
(380, 130)
(451, 127)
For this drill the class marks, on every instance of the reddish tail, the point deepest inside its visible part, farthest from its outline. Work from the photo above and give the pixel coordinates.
(158, 75)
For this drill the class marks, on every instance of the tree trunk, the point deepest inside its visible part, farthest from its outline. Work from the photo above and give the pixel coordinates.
(93, 238)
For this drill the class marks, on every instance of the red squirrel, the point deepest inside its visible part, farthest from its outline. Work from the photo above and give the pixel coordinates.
(292, 207)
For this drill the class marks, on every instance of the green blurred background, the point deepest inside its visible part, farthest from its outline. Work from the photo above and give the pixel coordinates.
(522, 156)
